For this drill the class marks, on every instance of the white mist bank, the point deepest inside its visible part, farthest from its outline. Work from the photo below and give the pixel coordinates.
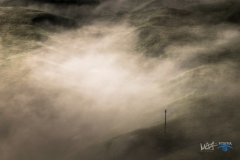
(104, 79)
(89, 85)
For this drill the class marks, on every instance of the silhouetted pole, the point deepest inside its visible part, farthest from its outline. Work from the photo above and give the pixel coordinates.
(165, 121)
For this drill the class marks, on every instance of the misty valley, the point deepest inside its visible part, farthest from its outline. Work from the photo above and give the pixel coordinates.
(119, 79)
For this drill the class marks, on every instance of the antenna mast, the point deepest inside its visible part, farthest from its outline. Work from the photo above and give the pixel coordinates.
(165, 122)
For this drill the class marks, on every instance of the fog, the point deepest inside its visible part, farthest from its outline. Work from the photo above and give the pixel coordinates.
(84, 87)
(102, 79)
(90, 84)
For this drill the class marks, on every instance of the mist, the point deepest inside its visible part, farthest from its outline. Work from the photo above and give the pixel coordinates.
(90, 84)
(84, 87)
(87, 86)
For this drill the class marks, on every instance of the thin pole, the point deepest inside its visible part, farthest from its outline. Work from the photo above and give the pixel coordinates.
(165, 121)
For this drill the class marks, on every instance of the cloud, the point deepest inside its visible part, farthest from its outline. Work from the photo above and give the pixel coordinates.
(90, 84)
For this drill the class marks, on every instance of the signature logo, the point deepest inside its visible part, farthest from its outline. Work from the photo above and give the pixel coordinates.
(209, 147)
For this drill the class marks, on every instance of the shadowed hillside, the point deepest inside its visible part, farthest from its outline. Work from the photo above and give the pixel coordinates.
(25, 25)
(57, 2)
(23, 30)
